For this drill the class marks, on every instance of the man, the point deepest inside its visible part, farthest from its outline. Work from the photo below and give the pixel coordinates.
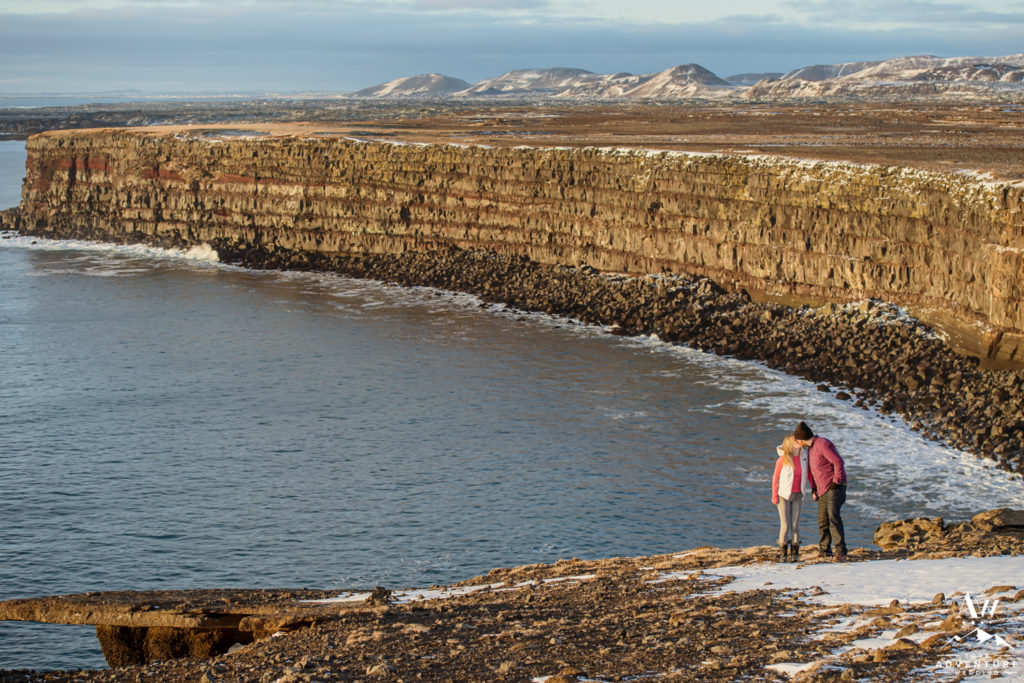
(828, 472)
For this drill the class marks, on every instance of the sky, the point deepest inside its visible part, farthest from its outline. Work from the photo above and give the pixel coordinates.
(335, 46)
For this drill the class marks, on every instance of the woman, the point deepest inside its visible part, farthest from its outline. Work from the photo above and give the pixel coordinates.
(790, 483)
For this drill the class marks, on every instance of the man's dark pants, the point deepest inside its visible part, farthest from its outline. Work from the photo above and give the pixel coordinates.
(830, 524)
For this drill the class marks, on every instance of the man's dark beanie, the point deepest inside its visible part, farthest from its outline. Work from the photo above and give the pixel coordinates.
(803, 432)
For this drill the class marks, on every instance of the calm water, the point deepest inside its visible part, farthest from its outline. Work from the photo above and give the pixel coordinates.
(168, 422)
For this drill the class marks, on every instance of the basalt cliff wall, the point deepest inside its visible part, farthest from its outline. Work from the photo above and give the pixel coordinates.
(949, 247)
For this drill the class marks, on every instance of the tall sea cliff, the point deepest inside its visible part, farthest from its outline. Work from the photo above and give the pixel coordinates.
(949, 247)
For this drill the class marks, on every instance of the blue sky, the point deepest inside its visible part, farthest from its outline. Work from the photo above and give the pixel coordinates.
(337, 46)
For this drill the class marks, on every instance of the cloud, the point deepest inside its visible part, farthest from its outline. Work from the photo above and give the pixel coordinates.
(905, 12)
(500, 5)
(348, 46)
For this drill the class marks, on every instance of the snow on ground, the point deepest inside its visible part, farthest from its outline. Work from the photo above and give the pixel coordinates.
(418, 594)
(991, 644)
(879, 582)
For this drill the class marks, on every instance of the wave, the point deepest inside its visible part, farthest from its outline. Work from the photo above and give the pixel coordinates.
(881, 451)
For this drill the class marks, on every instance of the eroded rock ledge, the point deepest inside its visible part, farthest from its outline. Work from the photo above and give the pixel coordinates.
(610, 619)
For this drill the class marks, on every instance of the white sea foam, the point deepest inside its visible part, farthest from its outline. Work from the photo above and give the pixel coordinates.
(201, 252)
(878, 449)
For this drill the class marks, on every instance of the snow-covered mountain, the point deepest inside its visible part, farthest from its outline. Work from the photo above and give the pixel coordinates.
(824, 72)
(751, 79)
(687, 80)
(424, 85)
(530, 82)
(921, 76)
(903, 76)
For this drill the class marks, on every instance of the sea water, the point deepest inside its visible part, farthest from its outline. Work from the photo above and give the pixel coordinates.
(167, 421)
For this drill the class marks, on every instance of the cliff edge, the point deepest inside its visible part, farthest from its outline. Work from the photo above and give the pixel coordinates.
(948, 247)
(732, 245)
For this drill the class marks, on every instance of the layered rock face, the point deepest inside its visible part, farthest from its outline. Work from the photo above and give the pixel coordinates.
(949, 247)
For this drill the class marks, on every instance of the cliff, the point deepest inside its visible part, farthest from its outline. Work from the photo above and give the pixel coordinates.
(948, 247)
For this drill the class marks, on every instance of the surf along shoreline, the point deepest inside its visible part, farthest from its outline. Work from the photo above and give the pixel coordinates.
(733, 239)
(870, 353)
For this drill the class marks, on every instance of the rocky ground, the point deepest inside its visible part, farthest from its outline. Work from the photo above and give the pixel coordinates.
(950, 137)
(616, 619)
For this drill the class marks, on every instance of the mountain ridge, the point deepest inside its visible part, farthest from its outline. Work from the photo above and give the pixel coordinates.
(909, 76)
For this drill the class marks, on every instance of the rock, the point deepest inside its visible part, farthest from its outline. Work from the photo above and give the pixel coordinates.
(902, 644)
(953, 623)
(381, 669)
(380, 596)
(176, 191)
(1002, 520)
(506, 667)
(909, 534)
(907, 630)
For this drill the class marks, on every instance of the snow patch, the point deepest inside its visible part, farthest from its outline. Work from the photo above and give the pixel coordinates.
(442, 593)
(878, 582)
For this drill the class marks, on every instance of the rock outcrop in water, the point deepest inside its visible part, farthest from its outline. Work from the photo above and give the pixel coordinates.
(752, 233)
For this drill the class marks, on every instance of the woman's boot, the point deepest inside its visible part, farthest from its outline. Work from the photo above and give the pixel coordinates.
(794, 553)
(783, 552)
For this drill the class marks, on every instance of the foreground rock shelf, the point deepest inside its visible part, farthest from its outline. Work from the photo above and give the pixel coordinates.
(137, 627)
(677, 617)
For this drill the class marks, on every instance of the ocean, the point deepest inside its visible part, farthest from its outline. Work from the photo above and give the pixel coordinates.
(168, 421)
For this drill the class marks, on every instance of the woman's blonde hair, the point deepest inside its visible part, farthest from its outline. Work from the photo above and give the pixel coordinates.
(789, 447)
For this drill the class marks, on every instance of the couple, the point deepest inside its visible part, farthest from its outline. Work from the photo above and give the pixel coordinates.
(809, 464)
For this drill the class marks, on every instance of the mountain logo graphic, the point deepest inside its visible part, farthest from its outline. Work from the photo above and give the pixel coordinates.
(988, 609)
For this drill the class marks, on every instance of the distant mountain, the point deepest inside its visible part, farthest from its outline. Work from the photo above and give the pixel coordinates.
(687, 80)
(529, 82)
(424, 85)
(964, 77)
(824, 72)
(920, 76)
(751, 79)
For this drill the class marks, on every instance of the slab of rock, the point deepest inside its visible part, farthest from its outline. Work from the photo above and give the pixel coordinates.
(992, 532)
(1000, 521)
(137, 627)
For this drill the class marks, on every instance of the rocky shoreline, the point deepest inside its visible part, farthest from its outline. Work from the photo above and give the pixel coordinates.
(677, 617)
(869, 353)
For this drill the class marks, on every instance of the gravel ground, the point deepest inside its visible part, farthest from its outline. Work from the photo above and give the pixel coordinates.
(608, 620)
